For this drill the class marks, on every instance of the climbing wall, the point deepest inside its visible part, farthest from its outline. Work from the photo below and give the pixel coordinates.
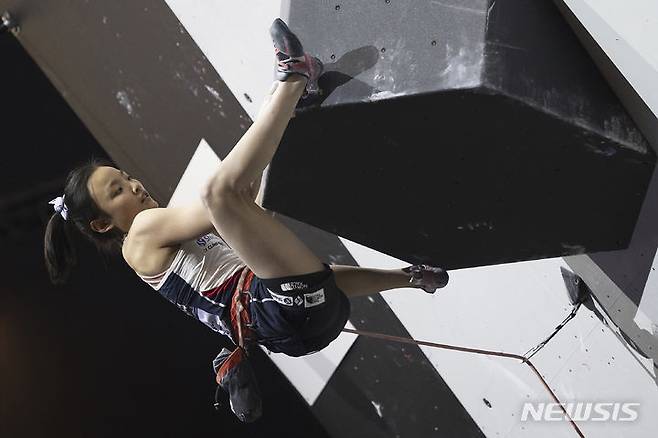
(500, 161)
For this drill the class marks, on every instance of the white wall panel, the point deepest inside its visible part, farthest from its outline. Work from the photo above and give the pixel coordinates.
(602, 368)
(636, 21)
(628, 33)
(234, 36)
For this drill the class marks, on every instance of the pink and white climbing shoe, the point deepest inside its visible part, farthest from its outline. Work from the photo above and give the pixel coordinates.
(428, 278)
(291, 58)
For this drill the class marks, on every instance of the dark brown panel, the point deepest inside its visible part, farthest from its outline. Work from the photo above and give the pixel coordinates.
(136, 79)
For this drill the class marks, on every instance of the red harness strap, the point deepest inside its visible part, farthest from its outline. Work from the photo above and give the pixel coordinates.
(240, 321)
(240, 318)
(232, 361)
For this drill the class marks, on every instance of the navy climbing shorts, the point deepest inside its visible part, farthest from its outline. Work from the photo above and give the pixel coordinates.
(298, 315)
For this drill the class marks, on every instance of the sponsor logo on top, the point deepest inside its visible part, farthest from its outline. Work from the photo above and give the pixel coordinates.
(293, 285)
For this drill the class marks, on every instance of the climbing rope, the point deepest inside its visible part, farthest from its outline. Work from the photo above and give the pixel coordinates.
(523, 359)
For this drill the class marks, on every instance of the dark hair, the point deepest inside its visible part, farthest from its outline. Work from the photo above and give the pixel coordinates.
(59, 250)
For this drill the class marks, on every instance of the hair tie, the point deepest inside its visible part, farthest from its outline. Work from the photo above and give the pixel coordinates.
(60, 206)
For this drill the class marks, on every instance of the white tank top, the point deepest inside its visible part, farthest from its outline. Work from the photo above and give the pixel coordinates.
(201, 280)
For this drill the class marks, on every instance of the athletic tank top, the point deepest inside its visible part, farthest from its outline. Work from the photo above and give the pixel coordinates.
(201, 281)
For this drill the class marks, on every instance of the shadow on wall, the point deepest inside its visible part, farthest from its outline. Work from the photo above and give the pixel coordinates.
(344, 71)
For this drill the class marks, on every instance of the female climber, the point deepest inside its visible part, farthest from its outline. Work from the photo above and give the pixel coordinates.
(201, 256)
